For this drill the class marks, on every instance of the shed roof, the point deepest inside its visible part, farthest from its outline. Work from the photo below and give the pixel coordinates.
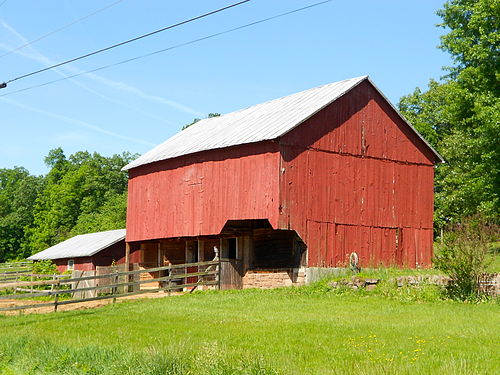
(265, 121)
(83, 245)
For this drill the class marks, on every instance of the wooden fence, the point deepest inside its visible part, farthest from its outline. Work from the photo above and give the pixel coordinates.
(10, 265)
(13, 270)
(118, 284)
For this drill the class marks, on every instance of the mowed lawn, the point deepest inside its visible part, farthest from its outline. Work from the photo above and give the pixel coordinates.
(284, 331)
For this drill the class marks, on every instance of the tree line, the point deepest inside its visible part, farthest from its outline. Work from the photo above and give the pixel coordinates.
(81, 193)
(459, 114)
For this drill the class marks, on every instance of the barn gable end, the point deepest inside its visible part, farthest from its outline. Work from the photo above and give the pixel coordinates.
(362, 123)
(356, 178)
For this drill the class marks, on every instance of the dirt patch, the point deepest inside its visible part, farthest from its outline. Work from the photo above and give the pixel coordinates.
(71, 306)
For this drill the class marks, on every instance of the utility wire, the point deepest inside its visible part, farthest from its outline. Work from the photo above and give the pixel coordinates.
(59, 29)
(3, 85)
(172, 47)
(2, 3)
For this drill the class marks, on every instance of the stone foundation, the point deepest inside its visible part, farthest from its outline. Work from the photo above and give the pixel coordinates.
(273, 278)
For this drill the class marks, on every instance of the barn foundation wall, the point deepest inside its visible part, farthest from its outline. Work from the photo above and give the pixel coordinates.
(267, 279)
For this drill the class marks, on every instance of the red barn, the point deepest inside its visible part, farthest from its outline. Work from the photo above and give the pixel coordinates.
(290, 185)
(85, 252)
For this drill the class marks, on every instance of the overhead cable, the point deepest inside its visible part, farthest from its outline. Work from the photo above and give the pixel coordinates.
(125, 42)
(59, 29)
(171, 47)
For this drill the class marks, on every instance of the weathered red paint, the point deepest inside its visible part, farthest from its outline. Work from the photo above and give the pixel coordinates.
(352, 178)
(196, 194)
(114, 253)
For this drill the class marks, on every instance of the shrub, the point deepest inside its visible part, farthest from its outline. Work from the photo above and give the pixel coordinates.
(44, 267)
(464, 256)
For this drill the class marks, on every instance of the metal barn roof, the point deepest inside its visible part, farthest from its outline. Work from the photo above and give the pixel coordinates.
(261, 122)
(83, 245)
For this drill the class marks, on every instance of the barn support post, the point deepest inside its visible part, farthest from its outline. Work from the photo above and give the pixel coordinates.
(127, 263)
(187, 258)
(127, 256)
(158, 248)
(201, 258)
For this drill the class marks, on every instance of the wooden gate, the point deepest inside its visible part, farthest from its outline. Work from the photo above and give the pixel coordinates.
(231, 276)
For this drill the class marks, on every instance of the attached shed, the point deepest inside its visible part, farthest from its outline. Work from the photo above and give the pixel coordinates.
(292, 184)
(86, 251)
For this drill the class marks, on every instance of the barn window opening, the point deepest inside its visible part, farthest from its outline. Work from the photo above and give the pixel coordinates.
(194, 257)
(71, 265)
(232, 246)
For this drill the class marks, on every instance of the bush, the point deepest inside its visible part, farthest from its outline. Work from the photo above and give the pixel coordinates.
(464, 256)
(44, 267)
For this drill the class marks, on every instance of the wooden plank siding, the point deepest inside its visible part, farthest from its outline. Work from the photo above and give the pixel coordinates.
(113, 253)
(196, 194)
(353, 178)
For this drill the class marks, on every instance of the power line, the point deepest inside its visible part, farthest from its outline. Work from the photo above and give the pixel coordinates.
(59, 29)
(3, 85)
(172, 47)
(2, 3)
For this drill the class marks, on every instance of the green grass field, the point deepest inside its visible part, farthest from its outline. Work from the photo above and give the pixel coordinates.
(309, 330)
(495, 259)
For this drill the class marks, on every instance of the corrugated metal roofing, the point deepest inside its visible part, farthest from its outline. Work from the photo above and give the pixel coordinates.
(261, 122)
(83, 245)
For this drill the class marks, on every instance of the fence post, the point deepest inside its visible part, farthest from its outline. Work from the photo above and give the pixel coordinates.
(52, 285)
(17, 280)
(56, 299)
(169, 291)
(217, 267)
(115, 288)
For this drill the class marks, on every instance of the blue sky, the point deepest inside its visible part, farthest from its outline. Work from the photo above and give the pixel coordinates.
(134, 106)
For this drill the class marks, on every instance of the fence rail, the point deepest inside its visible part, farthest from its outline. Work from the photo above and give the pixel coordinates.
(12, 270)
(176, 277)
(15, 265)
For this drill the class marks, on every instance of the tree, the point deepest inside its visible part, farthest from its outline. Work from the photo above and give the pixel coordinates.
(459, 115)
(210, 115)
(112, 215)
(18, 192)
(81, 193)
(77, 190)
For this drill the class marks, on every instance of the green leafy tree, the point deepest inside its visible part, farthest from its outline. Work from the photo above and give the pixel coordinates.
(77, 189)
(210, 115)
(18, 192)
(81, 193)
(112, 215)
(460, 114)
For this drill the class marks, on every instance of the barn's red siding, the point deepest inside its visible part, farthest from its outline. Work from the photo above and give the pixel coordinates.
(196, 194)
(354, 178)
(114, 253)
(81, 264)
